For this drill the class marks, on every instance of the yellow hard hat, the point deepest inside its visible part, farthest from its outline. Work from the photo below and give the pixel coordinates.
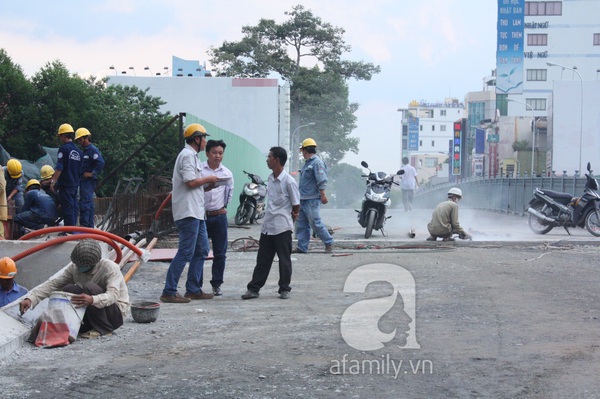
(46, 172)
(308, 143)
(193, 130)
(14, 167)
(31, 183)
(82, 132)
(65, 128)
(8, 269)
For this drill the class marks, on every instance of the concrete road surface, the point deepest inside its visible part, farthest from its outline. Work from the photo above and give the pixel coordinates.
(509, 315)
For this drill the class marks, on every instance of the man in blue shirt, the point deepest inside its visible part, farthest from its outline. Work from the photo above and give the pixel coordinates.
(39, 208)
(9, 290)
(91, 166)
(67, 174)
(313, 180)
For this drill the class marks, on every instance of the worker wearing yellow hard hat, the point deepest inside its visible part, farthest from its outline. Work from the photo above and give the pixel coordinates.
(14, 184)
(91, 167)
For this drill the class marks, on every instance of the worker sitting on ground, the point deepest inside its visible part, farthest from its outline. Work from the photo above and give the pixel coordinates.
(444, 221)
(39, 209)
(98, 284)
(10, 291)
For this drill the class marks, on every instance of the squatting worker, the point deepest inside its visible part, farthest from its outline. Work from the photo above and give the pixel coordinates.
(313, 181)
(14, 183)
(215, 203)
(91, 167)
(67, 174)
(188, 213)
(96, 282)
(283, 203)
(444, 221)
(39, 209)
(10, 291)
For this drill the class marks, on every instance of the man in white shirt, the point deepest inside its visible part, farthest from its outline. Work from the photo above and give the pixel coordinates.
(188, 213)
(409, 184)
(215, 203)
(283, 206)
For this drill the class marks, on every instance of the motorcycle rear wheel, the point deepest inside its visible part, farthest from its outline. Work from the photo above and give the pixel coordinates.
(592, 224)
(536, 225)
(370, 223)
(244, 213)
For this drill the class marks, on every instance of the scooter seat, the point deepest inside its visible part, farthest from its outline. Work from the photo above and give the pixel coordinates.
(557, 195)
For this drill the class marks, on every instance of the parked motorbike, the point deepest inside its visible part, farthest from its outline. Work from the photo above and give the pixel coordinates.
(549, 209)
(252, 200)
(376, 200)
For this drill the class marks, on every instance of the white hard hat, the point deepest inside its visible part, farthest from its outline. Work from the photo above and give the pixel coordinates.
(455, 191)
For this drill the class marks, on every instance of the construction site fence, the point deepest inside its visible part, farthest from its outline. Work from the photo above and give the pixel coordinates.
(502, 194)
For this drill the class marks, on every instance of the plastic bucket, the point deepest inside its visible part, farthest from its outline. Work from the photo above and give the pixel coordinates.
(73, 316)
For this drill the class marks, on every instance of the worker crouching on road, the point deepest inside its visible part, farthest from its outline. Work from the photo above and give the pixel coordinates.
(444, 221)
(97, 283)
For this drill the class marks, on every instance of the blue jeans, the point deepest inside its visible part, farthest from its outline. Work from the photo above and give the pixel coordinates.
(309, 218)
(68, 201)
(86, 202)
(216, 227)
(193, 248)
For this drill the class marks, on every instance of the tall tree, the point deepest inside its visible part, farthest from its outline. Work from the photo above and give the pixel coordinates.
(285, 49)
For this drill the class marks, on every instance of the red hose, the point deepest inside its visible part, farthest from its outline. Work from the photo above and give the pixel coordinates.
(60, 240)
(111, 236)
(162, 206)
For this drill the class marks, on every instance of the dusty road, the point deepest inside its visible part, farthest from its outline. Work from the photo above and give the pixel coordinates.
(497, 321)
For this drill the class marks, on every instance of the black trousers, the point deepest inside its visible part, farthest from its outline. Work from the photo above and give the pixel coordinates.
(103, 320)
(269, 245)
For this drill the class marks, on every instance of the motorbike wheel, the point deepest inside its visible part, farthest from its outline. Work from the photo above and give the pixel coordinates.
(592, 223)
(370, 223)
(536, 225)
(244, 213)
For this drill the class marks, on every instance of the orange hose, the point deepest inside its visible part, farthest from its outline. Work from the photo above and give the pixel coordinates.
(60, 240)
(162, 206)
(55, 229)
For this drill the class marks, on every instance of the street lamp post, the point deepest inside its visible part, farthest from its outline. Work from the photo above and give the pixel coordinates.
(534, 132)
(551, 64)
(293, 149)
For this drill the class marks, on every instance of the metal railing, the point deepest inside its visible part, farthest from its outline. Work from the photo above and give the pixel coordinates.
(503, 194)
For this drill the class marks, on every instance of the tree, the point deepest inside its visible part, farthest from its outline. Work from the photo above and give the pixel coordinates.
(15, 100)
(283, 49)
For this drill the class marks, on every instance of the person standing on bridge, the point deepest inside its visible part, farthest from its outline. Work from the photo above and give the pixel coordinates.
(444, 220)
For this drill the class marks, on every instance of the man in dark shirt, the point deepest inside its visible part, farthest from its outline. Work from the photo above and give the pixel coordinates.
(91, 167)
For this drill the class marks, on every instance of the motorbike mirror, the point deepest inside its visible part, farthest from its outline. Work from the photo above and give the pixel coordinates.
(589, 167)
(400, 172)
(364, 164)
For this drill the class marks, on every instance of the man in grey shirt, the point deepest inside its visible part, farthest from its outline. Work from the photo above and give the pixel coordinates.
(283, 205)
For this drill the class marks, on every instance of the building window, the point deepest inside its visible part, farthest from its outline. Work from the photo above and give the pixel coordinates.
(431, 162)
(537, 39)
(596, 39)
(543, 8)
(432, 143)
(538, 104)
(442, 112)
(421, 127)
(420, 143)
(537, 74)
(433, 128)
(442, 128)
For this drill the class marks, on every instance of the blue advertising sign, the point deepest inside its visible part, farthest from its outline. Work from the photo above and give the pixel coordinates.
(413, 133)
(509, 53)
(456, 148)
(479, 141)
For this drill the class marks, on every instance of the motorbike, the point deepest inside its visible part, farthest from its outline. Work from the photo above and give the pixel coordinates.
(549, 209)
(252, 200)
(376, 200)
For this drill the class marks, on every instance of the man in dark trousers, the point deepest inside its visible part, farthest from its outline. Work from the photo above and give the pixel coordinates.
(91, 167)
(39, 209)
(283, 205)
(67, 174)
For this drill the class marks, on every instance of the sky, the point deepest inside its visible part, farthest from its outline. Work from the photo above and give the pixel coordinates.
(427, 50)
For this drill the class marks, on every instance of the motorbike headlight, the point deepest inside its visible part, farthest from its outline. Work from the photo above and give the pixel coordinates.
(250, 191)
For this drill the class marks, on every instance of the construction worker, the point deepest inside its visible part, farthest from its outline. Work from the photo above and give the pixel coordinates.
(10, 291)
(3, 204)
(14, 183)
(67, 174)
(91, 166)
(96, 282)
(39, 209)
(444, 221)
(46, 173)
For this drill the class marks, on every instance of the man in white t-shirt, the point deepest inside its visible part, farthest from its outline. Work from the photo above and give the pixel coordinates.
(409, 184)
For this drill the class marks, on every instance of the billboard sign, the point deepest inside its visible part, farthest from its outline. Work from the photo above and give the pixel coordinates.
(456, 148)
(509, 50)
(413, 133)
